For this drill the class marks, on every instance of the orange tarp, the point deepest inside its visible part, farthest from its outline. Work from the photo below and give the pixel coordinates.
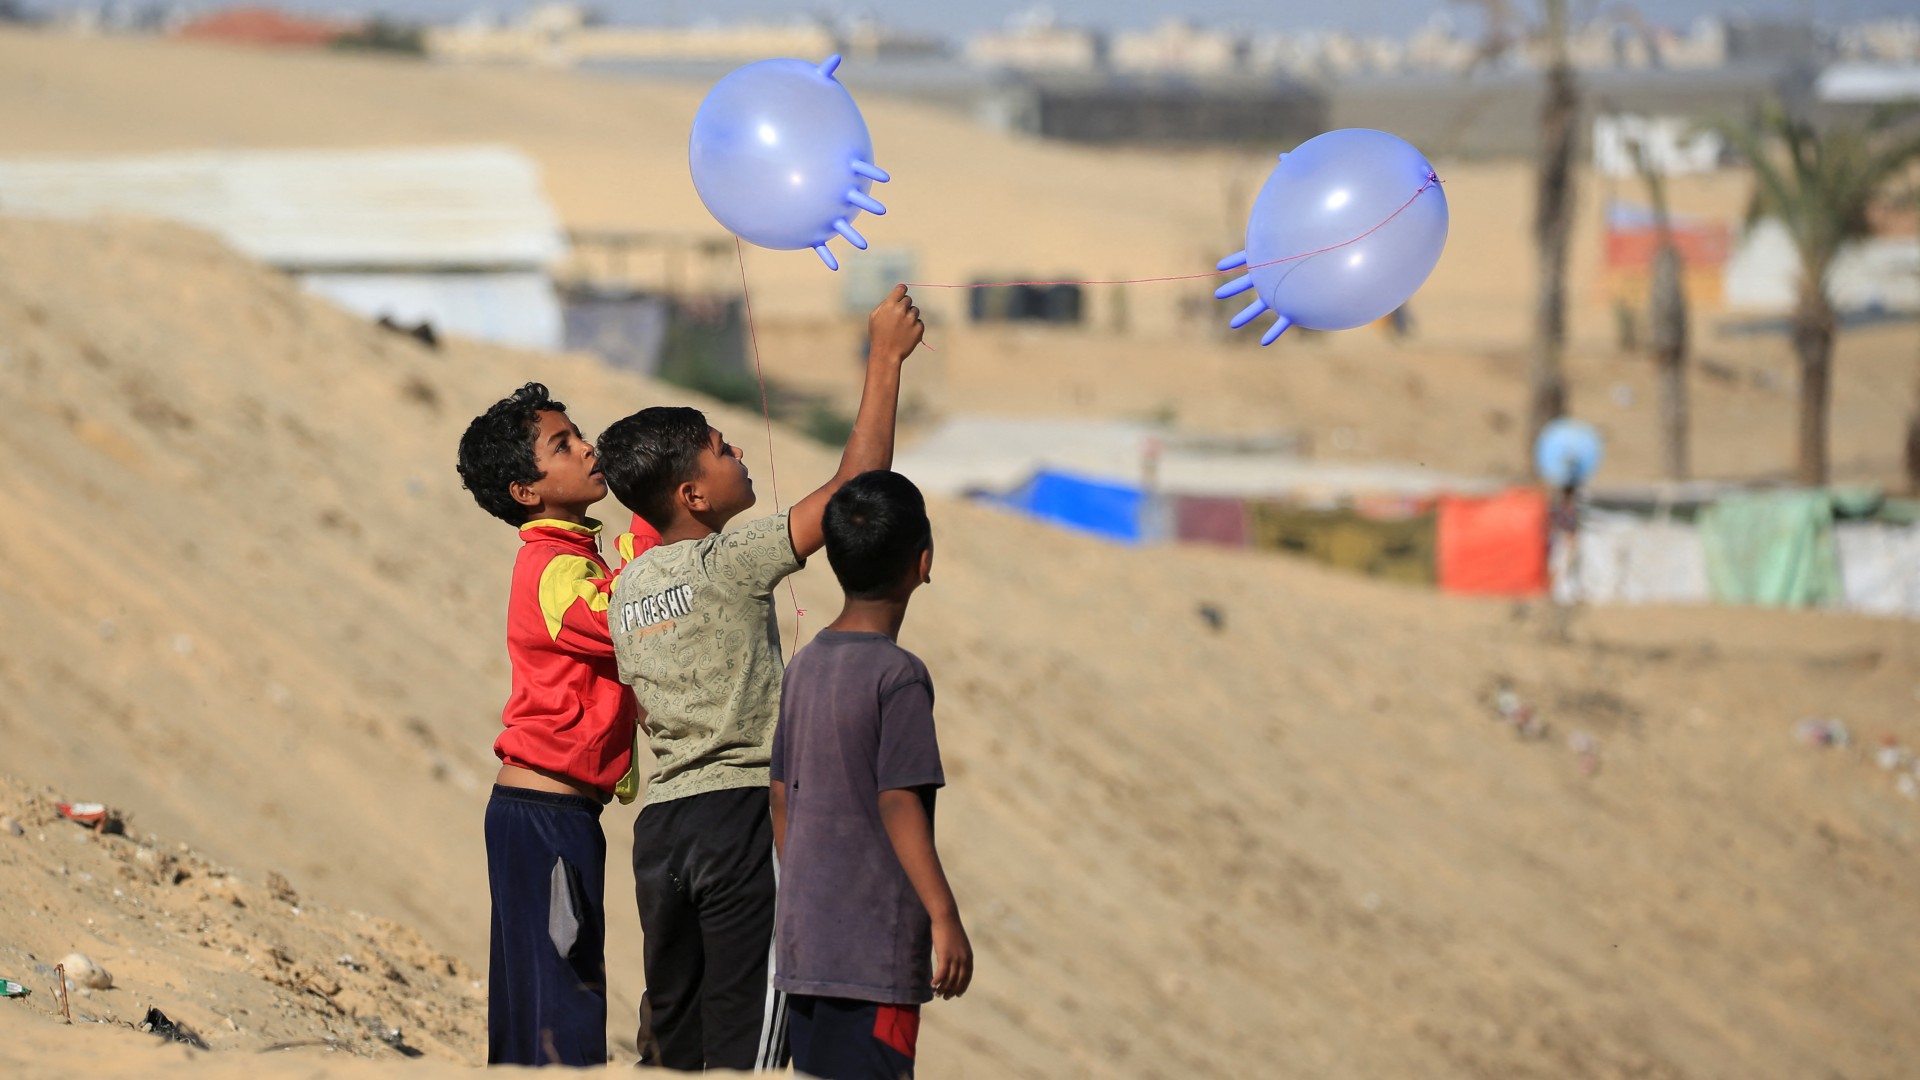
(1494, 546)
(1700, 245)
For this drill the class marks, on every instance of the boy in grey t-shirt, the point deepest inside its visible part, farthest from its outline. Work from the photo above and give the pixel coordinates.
(863, 898)
(694, 634)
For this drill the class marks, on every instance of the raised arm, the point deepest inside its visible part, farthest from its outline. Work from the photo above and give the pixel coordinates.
(894, 330)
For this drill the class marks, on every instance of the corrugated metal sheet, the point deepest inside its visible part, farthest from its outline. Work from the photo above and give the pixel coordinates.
(414, 209)
(1868, 83)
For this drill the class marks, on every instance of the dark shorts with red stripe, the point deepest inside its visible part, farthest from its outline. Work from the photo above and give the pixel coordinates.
(842, 1039)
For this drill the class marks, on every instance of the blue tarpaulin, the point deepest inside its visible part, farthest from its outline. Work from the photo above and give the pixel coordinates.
(1101, 507)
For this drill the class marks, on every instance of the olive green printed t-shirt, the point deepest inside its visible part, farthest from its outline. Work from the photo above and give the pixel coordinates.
(694, 634)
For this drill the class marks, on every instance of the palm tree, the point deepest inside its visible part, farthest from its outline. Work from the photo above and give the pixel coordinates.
(1552, 226)
(1667, 319)
(1553, 199)
(1820, 185)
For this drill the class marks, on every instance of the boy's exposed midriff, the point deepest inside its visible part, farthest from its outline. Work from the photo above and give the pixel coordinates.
(516, 776)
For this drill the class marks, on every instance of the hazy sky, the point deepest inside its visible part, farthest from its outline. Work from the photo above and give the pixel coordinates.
(1392, 17)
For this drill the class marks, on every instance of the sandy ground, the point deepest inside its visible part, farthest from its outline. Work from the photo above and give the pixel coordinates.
(246, 601)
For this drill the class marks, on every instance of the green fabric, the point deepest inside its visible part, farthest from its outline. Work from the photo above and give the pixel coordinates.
(1898, 512)
(1774, 549)
(1395, 550)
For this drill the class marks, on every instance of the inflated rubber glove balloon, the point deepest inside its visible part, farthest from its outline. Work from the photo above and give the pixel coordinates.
(1347, 227)
(1567, 453)
(782, 158)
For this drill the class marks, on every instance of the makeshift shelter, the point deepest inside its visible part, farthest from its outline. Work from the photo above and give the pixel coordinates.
(1211, 519)
(1774, 549)
(1493, 546)
(1115, 511)
(1879, 567)
(1399, 549)
(458, 237)
(1625, 559)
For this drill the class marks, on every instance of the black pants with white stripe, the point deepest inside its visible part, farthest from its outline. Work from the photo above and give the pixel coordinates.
(703, 872)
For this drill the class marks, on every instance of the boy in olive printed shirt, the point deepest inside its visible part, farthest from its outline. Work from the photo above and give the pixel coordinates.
(694, 634)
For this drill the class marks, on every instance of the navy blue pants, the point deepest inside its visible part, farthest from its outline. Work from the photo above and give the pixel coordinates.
(842, 1039)
(547, 969)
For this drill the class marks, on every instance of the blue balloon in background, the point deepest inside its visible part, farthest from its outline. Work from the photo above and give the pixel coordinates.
(782, 157)
(1567, 453)
(1371, 208)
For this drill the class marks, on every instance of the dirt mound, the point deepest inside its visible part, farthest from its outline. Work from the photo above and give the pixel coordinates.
(247, 599)
(241, 964)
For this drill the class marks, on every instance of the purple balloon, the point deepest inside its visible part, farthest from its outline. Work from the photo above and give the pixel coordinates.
(1346, 229)
(781, 156)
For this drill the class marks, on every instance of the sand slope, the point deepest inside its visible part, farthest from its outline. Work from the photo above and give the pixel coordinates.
(246, 599)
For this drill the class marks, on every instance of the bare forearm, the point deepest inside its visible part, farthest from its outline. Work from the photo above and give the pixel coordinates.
(870, 446)
(777, 798)
(911, 833)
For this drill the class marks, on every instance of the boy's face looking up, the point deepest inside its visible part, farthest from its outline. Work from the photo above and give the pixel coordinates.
(723, 480)
(570, 479)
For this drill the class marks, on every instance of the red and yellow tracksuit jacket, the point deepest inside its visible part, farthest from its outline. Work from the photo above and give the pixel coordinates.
(569, 714)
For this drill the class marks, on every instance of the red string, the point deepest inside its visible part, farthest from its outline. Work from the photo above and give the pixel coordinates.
(773, 474)
(753, 335)
(1431, 181)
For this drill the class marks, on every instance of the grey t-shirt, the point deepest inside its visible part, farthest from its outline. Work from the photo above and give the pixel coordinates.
(694, 635)
(856, 719)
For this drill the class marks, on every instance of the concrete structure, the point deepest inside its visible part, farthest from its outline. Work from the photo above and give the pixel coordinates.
(1179, 47)
(1860, 83)
(1038, 43)
(562, 35)
(459, 237)
(1880, 274)
(1158, 111)
(1498, 115)
(995, 454)
(1672, 145)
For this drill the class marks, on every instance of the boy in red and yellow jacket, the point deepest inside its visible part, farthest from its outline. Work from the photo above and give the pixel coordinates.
(568, 740)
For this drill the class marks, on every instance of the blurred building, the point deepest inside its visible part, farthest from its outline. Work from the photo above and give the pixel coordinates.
(1880, 274)
(460, 238)
(1670, 145)
(1887, 40)
(1498, 114)
(1179, 47)
(564, 34)
(1158, 111)
(1035, 42)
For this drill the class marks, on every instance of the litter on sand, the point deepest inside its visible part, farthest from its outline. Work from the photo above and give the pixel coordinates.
(161, 1024)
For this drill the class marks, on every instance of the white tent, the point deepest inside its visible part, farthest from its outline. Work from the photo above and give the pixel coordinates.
(458, 236)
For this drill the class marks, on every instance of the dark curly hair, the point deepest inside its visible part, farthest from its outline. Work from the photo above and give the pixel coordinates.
(876, 527)
(647, 456)
(497, 451)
